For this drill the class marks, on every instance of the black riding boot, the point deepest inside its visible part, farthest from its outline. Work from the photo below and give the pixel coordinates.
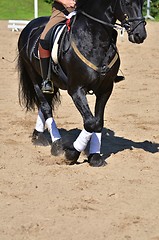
(47, 85)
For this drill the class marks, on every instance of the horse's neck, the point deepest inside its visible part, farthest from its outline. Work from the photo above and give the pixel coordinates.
(92, 39)
(88, 30)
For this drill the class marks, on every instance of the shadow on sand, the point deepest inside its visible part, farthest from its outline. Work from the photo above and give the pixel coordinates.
(112, 144)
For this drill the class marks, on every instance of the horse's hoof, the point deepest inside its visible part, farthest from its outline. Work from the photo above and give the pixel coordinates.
(96, 160)
(39, 139)
(57, 148)
(71, 154)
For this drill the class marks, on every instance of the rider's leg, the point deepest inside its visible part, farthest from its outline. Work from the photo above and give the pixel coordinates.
(58, 15)
(47, 86)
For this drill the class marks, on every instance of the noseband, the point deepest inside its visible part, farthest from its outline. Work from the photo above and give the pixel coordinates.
(126, 23)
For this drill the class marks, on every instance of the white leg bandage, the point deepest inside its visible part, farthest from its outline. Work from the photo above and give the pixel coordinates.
(54, 132)
(95, 143)
(81, 142)
(40, 122)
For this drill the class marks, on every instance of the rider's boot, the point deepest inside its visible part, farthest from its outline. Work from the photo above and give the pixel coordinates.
(47, 85)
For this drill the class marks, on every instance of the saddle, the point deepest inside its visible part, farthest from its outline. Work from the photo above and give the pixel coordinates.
(53, 36)
(57, 46)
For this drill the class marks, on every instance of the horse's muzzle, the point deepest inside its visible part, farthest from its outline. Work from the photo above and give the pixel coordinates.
(135, 28)
(137, 37)
(137, 32)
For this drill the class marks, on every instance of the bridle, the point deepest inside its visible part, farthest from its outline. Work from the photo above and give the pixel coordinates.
(125, 23)
(116, 25)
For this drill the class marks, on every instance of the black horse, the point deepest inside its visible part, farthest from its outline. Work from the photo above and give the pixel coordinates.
(88, 61)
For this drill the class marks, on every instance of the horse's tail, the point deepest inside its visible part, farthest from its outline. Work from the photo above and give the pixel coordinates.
(26, 92)
(27, 95)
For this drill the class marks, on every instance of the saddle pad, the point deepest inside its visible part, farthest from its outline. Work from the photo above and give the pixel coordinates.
(54, 52)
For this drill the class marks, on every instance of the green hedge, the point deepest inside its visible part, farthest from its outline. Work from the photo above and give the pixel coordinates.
(17, 9)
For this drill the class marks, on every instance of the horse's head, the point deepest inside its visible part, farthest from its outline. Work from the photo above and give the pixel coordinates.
(129, 13)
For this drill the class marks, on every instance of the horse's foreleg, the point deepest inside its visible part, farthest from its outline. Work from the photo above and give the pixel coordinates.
(95, 158)
(95, 143)
(80, 101)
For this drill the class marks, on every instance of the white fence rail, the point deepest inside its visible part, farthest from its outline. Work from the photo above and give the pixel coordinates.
(148, 15)
(17, 25)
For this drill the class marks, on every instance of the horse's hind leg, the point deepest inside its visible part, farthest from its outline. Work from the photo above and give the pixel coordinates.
(45, 117)
(27, 97)
(46, 110)
(39, 136)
